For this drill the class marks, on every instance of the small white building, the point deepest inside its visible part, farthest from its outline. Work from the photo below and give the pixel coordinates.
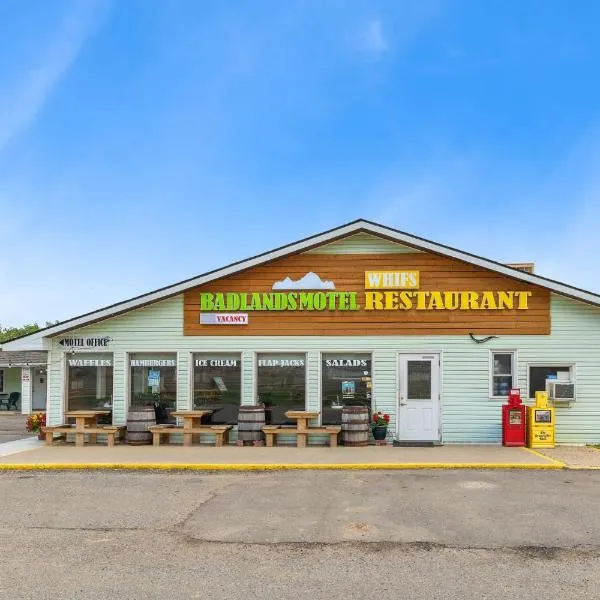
(23, 380)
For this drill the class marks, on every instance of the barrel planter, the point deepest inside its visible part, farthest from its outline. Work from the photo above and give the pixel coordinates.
(251, 420)
(355, 426)
(139, 418)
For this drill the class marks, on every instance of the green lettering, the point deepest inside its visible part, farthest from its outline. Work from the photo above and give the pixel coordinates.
(280, 301)
(232, 301)
(292, 301)
(306, 301)
(354, 305)
(342, 300)
(255, 303)
(206, 301)
(320, 301)
(267, 300)
(219, 301)
(332, 299)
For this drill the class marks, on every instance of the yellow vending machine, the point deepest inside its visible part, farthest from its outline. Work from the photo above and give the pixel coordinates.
(540, 423)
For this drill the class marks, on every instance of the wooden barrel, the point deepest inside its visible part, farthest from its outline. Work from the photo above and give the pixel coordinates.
(355, 425)
(251, 420)
(139, 418)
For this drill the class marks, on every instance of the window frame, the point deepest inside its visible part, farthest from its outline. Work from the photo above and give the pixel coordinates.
(1, 381)
(217, 353)
(129, 380)
(571, 365)
(514, 371)
(85, 356)
(285, 352)
(322, 353)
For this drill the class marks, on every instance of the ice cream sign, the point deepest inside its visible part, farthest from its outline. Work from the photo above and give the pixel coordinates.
(383, 290)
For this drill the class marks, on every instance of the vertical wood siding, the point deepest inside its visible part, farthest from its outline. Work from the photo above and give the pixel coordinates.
(26, 388)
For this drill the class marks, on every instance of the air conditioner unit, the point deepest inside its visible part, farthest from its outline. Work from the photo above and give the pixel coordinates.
(560, 392)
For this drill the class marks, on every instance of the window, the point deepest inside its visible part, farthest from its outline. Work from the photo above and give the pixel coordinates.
(281, 385)
(503, 371)
(90, 383)
(345, 381)
(154, 381)
(538, 374)
(217, 386)
(1, 380)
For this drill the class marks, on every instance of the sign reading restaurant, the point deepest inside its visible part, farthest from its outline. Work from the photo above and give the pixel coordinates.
(385, 290)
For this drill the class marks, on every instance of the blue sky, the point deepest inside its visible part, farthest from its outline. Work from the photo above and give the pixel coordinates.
(146, 141)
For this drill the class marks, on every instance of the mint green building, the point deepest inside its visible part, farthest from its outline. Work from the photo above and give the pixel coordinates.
(361, 314)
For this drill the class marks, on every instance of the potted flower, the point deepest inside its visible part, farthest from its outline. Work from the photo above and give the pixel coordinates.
(379, 425)
(35, 422)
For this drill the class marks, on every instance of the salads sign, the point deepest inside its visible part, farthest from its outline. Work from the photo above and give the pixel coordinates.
(384, 291)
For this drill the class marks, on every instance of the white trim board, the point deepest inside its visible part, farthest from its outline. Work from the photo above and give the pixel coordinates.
(34, 340)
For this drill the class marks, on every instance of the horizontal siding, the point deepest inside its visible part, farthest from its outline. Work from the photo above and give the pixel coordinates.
(362, 243)
(469, 416)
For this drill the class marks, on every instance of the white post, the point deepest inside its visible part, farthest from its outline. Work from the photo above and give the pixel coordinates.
(26, 390)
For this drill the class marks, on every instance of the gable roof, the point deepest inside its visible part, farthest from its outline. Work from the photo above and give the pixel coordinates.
(358, 226)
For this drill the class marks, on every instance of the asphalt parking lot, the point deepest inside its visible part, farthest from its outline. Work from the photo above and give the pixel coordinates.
(360, 534)
(12, 427)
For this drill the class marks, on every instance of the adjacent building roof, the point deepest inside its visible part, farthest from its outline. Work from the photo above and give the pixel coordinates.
(23, 359)
(360, 226)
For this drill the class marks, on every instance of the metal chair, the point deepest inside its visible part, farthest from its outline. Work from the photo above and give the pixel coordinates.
(13, 398)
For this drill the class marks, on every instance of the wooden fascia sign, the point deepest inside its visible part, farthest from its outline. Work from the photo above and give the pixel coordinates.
(384, 290)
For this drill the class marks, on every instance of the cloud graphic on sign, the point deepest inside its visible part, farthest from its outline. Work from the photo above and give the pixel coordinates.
(311, 281)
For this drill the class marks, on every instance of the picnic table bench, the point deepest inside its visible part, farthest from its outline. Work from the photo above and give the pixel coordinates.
(111, 432)
(271, 431)
(161, 433)
(302, 430)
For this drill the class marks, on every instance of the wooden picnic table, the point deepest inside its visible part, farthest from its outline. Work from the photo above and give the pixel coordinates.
(85, 419)
(302, 417)
(302, 430)
(191, 420)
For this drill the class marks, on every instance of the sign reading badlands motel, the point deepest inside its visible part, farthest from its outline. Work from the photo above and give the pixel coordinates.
(340, 298)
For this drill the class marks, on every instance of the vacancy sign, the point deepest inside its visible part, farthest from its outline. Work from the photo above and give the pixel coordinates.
(224, 319)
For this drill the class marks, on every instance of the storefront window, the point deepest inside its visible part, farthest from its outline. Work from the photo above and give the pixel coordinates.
(154, 381)
(281, 385)
(538, 375)
(90, 383)
(503, 367)
(346, 381)
(217, 386)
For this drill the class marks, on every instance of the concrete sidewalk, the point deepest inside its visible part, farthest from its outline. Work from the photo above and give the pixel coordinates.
(249, 458)
(12, 427)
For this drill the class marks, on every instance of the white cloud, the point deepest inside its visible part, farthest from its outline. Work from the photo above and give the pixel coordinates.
(374, 40)
(21, 100)
(311, 281)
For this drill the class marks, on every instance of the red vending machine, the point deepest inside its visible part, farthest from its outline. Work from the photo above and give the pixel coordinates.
(513, 420)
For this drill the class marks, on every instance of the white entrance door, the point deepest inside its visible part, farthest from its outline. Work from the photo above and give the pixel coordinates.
(39, 386)
(419, 398)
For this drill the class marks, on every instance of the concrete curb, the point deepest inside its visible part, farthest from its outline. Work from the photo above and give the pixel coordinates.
(274, 466)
